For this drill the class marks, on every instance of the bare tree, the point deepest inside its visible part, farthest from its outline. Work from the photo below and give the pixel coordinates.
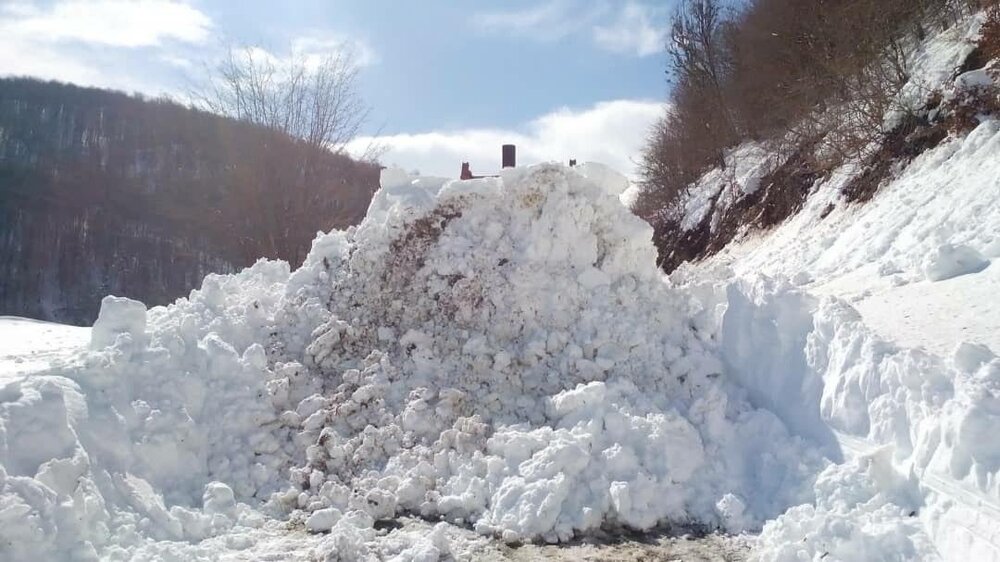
(309, 107)
(310, 97)
(700, 66)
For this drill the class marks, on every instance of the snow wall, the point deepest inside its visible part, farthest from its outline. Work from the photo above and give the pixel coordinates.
(502, 354)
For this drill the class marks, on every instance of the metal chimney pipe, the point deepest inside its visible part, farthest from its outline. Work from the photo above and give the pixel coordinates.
(508, 156)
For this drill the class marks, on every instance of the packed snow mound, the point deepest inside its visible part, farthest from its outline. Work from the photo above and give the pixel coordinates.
(501, 353)
(130, 443)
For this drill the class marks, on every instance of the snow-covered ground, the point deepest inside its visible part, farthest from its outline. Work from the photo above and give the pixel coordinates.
(937, 315)
(28, 346)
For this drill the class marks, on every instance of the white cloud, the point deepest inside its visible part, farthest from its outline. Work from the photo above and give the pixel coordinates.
(628, 28)
(638, 29)
(88, 42)
(149, 46)
(611, 132)
(315, 46)
(551, 20)
(115, 23)
(23, 57)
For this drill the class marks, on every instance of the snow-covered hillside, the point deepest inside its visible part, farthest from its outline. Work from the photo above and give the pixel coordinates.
(916, 259)
(905, 321)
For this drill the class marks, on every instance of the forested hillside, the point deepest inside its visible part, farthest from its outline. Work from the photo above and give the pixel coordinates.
(101, 192)
(807, 88)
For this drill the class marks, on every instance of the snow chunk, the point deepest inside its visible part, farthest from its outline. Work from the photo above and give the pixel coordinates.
(948, 260)
(969, 357)
(323, 520)
(118, 315)
(219, 498)
(860, 514)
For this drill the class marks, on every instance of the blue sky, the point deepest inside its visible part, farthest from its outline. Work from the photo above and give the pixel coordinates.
(446, 80)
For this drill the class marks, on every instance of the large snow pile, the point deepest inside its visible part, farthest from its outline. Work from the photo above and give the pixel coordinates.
(505, 354)
(500, 353)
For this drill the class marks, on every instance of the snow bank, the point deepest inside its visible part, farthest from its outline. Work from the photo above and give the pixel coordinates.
(763, 340)
(921, 482)
(934, 417)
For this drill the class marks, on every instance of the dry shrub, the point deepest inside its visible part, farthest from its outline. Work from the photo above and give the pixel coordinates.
(965, 112)
(902, 144)
(989, 38)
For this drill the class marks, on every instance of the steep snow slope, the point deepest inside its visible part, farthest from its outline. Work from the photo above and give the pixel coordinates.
(906, 259)
(928, 232)
(891, 343)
